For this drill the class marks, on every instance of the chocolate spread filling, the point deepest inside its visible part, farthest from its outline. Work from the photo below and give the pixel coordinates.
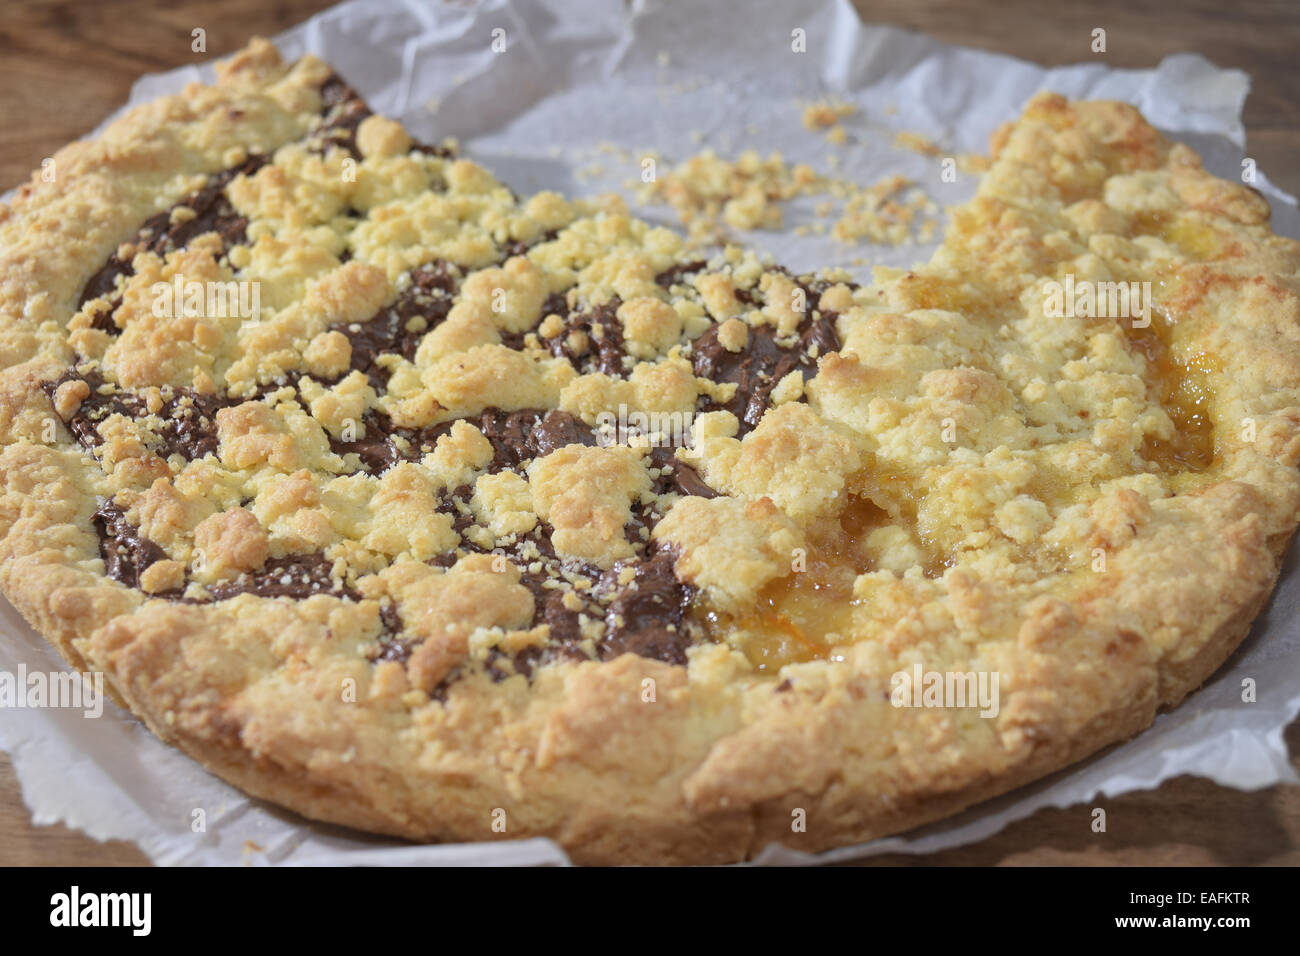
(647, 615)
(397, 329)
(761, 364)
(375, 448)
(125, 551)
(519, 247)
(127, 554)
(164, 232)
(188, 418)
(293, 576)
(677, 274)
(644, 615)
(516, 437)
(640, 602)
(678, 476)
(592, 339)
(342, 111)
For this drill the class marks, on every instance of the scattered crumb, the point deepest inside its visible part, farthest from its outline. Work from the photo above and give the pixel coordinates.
(917, 143)
(819, 117)
(710, 193)
(706, 190)
(973, 163)
(966, 162)
(826, 113)
(883, 212)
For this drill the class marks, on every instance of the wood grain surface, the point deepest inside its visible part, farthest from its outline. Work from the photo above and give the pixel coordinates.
(64, 66)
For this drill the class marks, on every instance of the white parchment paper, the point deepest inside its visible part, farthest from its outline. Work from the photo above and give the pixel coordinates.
(579, 92)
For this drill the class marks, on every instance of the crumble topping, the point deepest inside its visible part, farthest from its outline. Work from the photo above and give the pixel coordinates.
(430, 409)
(709, 193)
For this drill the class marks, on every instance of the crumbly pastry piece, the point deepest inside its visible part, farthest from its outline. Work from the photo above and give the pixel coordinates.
(707, 192)
(369, 547)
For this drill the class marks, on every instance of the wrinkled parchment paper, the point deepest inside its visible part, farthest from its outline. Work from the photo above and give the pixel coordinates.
(579, 92)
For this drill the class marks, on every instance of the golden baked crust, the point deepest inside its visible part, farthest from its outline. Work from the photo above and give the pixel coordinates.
(366, 551)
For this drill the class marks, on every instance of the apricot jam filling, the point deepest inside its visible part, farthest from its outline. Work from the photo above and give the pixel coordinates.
(1196, 240)
(1183, 389)
(807, 614)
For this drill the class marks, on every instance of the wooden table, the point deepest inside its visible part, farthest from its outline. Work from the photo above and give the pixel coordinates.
(65, 66)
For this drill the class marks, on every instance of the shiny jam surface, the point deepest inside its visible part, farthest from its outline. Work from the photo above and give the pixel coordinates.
(809, 612)
(1183, 390)
(1196, 240)
(1181, 386)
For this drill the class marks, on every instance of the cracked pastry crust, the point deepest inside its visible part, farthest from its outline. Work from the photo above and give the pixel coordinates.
(372, 549)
